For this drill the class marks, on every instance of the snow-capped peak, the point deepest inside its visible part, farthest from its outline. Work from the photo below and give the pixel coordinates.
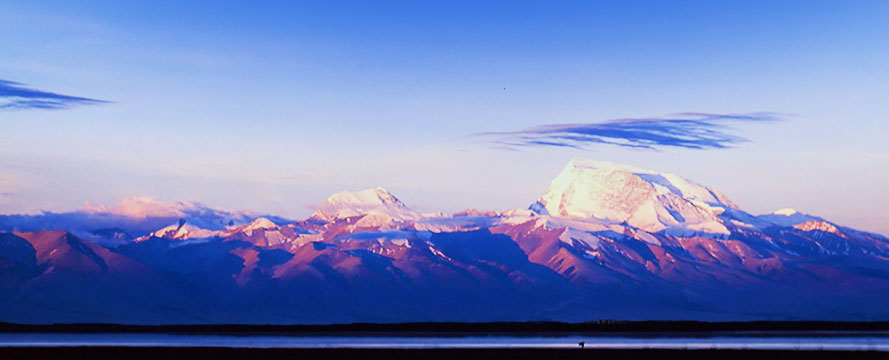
(260, 224)
(787, 217)
(181, 231)
(376, 201)
(642, 198)
(377, 196)
(785, 212)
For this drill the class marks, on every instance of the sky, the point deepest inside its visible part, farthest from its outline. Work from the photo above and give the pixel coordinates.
(273, 106)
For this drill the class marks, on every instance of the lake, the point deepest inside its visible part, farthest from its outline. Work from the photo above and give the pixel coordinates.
(738, 341)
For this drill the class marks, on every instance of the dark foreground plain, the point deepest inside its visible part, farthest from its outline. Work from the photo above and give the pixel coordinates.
(93, 353)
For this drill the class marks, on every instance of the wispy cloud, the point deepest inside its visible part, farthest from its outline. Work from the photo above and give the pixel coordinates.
(684, 130)
(16, 96)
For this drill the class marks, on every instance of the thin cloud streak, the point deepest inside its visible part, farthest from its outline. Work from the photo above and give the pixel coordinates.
(15, 96)
(698, 131)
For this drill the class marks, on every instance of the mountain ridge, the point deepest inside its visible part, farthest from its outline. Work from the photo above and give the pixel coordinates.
(603, 241)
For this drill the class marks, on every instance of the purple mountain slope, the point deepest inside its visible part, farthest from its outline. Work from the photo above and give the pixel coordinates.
(603, 241)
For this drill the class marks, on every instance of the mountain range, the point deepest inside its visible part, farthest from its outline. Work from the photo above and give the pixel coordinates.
(604, 241)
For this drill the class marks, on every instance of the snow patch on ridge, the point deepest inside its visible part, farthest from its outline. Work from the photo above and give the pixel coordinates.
(785, 212)
(814, 225)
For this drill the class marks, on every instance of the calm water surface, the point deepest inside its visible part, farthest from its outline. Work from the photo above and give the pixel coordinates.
(878, 342)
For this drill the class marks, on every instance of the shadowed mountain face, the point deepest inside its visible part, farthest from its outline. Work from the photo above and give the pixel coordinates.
(604, 241)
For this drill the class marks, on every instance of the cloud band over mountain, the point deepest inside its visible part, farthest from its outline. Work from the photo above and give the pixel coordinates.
(685, 130)
(15, 96)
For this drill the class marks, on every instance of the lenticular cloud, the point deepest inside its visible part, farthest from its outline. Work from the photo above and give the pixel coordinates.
(15, 96)
(686, 130)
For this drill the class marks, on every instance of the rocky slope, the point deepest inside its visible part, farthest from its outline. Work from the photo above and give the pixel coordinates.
(603, 241)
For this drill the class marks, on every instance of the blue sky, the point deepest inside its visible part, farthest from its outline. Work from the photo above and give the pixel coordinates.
(276, 105)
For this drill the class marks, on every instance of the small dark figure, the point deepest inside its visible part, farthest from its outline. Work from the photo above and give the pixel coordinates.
(581, 344)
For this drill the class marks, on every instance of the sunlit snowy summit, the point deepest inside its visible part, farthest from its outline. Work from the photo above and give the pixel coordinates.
(604, 240)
